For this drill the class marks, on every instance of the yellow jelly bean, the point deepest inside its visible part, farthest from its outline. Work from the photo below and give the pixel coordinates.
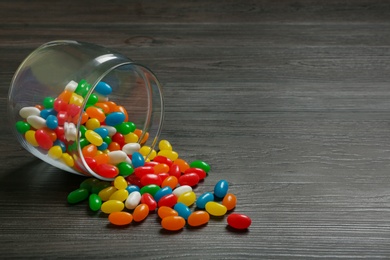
(172, 155)
(76, 99)
(30, 138)
(93, 137)
(147, 150)
(120, 182)
(68, 160)
(131, 138)
(215, 208)
(187, 198)
(92, 123)
(106, 193)
(120, 195)
(55, 152)
(164, 145)
(112, 206)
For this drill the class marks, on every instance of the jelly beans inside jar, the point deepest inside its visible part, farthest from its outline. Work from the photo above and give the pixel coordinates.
(86, 109)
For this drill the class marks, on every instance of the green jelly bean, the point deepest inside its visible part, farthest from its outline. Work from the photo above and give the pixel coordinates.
(82, 88)
(89, 183)
(22, 127)
(125, 169)
(107, 139)
(99, 186)
(83, 142)
(93, 99)
(48, 102)
(95, 202)
(125, 128)
(78, 195)
(200, 164)
(151, 189)
(83, 129)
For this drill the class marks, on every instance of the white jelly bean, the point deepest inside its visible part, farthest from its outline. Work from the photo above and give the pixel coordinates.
(116, 157)
(130, 148)
(70, 131)
(180, 190)
(36, 121)
(111, 129)
(71, 86)
(29, 111)
(133, 200)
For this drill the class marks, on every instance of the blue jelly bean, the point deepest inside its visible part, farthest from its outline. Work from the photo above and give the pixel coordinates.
(103, 146)
(183, 210)
(131, 188)
(137, 159)
(103, 88)
(52, 122)
(60, 144)
(103, 132)
(115, 118)
(47, 112)
(203, 199)
(221, 188)
(162, 192)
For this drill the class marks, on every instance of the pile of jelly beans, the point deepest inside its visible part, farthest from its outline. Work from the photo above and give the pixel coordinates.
(163, 186)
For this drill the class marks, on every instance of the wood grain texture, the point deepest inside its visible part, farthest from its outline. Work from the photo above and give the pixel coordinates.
(287, 100)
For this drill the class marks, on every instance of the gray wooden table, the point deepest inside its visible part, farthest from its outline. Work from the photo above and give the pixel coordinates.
(287, 100)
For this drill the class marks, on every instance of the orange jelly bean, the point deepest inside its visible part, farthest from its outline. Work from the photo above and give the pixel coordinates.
(140, 212)
(111, 105)
(121, 218)
(173, 223)
(114, 146)
(65, 96)
(170, 181)
(84, 118)
(198, 218)
(101, 158)
(183, 165)
(165, 211)
(94, 112)
(229, 201)
(161, 168)
(89, 150)
(103, 106)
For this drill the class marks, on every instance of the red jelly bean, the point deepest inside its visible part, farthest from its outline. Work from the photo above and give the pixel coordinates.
(148, 199)
(73, 110)
(134, 180)
(151, 163)
(107, 170)
(151, 178)
(43, 139)
(62, 116)
(60, 105)
(239, 221)
(190, 179)
(174, 170)
(201, 173)
(168, 200)
(119, 138)
(91, 163)
(163, 159)
(142, 170)
(163, 175)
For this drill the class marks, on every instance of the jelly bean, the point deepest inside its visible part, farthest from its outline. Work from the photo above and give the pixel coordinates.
(168, 200)
(173, 223)
(123, 110)
(103, 106)
(182, 209)
(22, 127)
(93, 99)
(40, 107)
(62, 116)
(229, 201)
(94, 112)
(125, 169)
(125, 127)
(170, 181)
(187, 198)
(181, 189)
(102, 131)
(150, 178)
(103, 88)
(68, 160)
(120, 182)
(93, 137)
(221, 188)
(191, 179)
(52, 122)
(161, 167)
(131, 188)
(111, 130)
(115, 118)
(120, 218)
(164, 145)
(174, 170)
(200, 164)
(101, 158)
(92, 124)
(94, 202)
(107, 170)
(163, 159)
(73, 110)
(162, 192)
(133, 180)
(151, 189)
(36, 121)
(114, 146)
(89, 150)
(106, 193)
(215, 208)
(133, 200)
(51, 133)
(65, 95)
(198, 218)
(112, 206)
(119, 138)
(172, 155)
(48, 102)
(43, 139)
(89, 183)
(78, 195)
(239, 221)
(165, 211)
(29, 111)
(70, 131)
(47, 112)
(200, 172)
(140, 212)
(120, 194)
(148, 199)
(147, 151)
(131, 148)
(112, 105)
(163, 176)
(82, 88)
(116, 157)
(203, 199)
(60, 105)
(183, 165)
(30, 138)
(76, 99)
(131, 138)
(91, 163)
(143, 170)
(137, 159)
(71, 86)
(103, 146)
(55, 152)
